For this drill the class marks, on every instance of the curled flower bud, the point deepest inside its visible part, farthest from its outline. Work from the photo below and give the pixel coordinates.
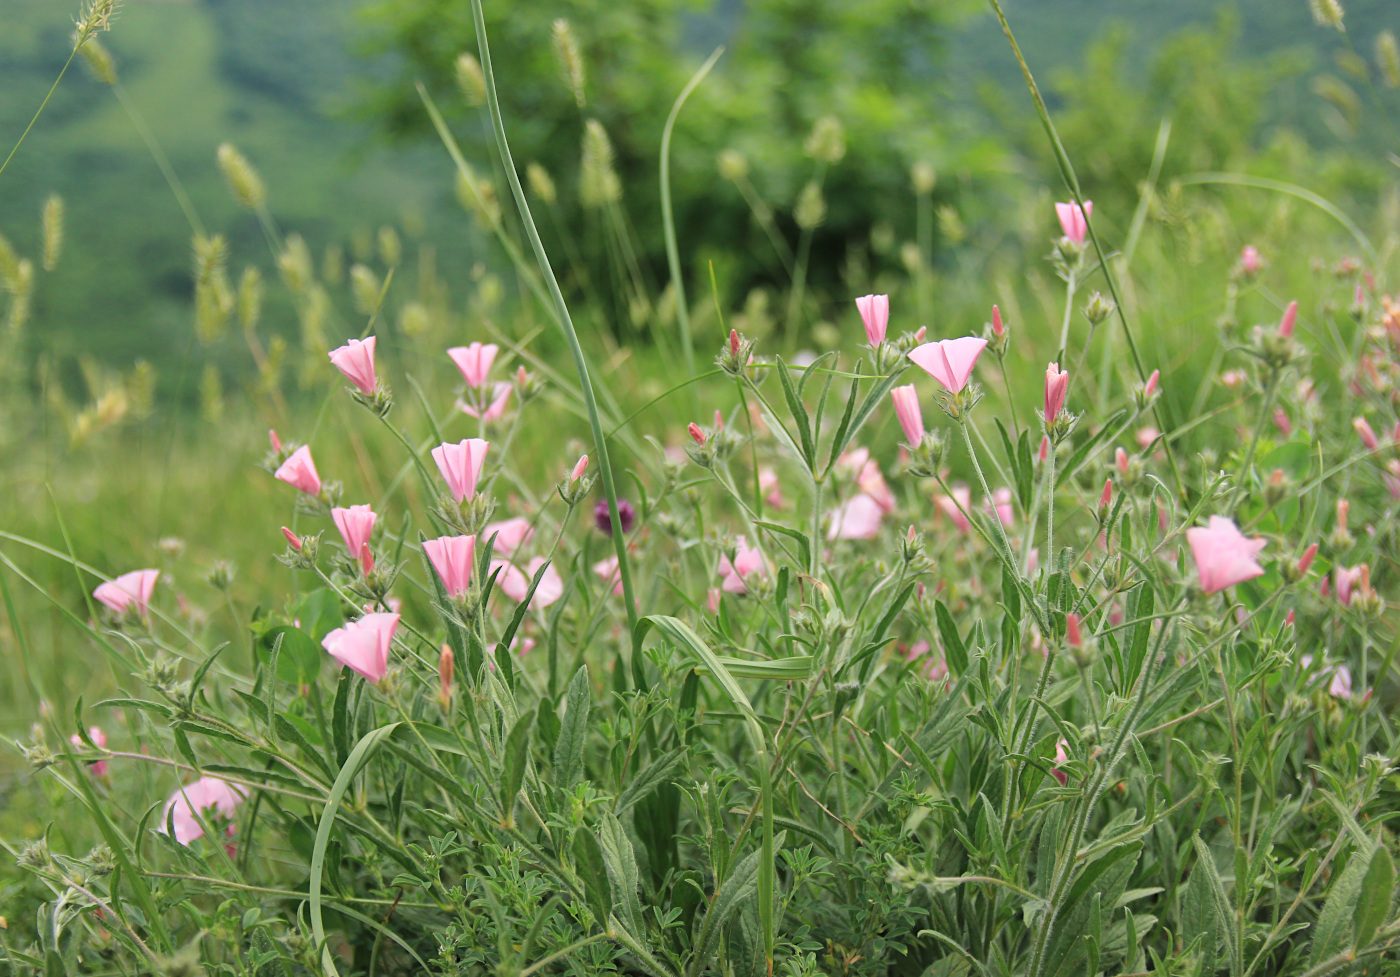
(1106, 498)
(1151, 387)
(696, 434)
(580, 467)
(998, 328)
(1289, 321)
(293, 540)
(1363, 431)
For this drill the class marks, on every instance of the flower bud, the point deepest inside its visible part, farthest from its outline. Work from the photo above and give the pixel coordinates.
(293, 540)
(446, 663)
(1098, 308)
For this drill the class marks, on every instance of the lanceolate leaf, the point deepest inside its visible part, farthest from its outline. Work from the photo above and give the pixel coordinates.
(593, 873)
(1330, 933)
(1373, 904)
(568, 749)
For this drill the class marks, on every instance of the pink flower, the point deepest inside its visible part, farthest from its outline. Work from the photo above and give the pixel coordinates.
(1250, 262)
(1224, 556)
(454, 559)
(497, 408)
(474, 361)
(363, 645)
(1074, 221)
(1289, 320)
(1363, 431)
(875, 313)
(1347, 580)
(768, 485)
(611, 576)
(299, 471)
(1145, 436)
(956, 506)
(1061, 756)
(516, 583)
(1340, 686)
(1003, 507)
(356, 360)
(1056, 388)
(935, 668)
(911, 418)
(130, 591)
(856, 518)
(949, 361)
(510, 534)
(460, 465)
(97, 768)
(747, 562)
(207, 798)
(712, 597)
(355, 525)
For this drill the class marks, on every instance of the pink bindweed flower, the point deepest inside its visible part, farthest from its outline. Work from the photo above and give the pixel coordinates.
(611, 576)
(461, 465)
(98, 768)
(956, 506)
(1340, 686)
(1250, 262)
(1224, 556)
(857, 518)
(1349, 580)
(355, 524)
(363, 645)
(293, 540)
(949, 361)
(1003, 506)
(516, 583)
(748, 561)
(1074, 221)
(1363, 431)
(998, 327)
(911, 418)
(474, 361)
(768, 485)
(1151, 386)
(454, 559)
(356, 360)
(1056, 388)
(875, 313)
(1061, 756)
(299, 471)
(130, 591)
(1289, 321)
(497, 408)
(510, 534)
(206, 798)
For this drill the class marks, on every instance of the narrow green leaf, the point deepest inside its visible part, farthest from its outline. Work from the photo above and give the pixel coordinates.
(621, 863)
(568, 749)
(954, 651)
(1373, 904)
(593, 873)
(514, 759)
(1330, 931)
(800, 416)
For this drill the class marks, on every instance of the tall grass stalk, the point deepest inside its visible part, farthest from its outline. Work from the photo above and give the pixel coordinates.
(566, 323)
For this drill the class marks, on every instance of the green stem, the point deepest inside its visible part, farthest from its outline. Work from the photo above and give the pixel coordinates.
(565, 321)
(668, 219)
(42, 105)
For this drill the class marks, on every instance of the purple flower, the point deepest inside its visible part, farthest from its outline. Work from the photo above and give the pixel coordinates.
(626, 515)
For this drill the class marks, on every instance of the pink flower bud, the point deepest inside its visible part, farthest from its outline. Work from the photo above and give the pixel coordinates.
(733, 342)
(1289, 320)
(998, 329)
(446, 663)
(1106, 499)
(1368, 436)
(474, 361)
(1056, 387)
(719, 420)
(1281, 421)
(1306, 559)
(1343, 508)
(1073, 637)
(276, 441)
(1120, 459)
(1250, 262)
(1151, 387)
(1074, 220)
(366, 560)
(875, 314)
(1044, 450)
(579, 468)
(920, 333)
(293, 540)
(906, 408)
(1288, 621)
(697, 435)
(299, 471)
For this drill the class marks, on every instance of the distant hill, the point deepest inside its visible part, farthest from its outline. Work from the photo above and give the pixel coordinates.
(276, 77)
